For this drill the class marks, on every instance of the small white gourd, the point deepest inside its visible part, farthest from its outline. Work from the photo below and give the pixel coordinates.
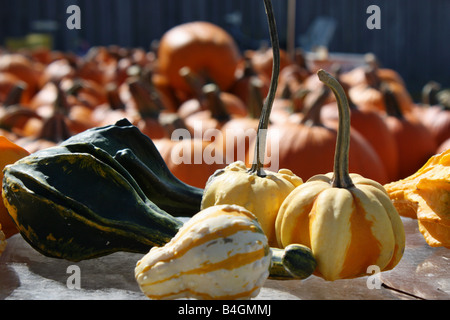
(220, 253)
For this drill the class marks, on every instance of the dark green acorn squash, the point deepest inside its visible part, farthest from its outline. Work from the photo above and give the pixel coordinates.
(76, 202)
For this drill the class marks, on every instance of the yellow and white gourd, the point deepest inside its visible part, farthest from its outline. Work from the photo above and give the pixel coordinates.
(220, 253)
(347, 220)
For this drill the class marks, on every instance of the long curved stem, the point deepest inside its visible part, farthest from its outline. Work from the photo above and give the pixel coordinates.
(341, 177)
(261, 134)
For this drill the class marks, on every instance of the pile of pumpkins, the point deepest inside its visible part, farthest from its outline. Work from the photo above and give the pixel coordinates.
(196, 83)
(195, 78)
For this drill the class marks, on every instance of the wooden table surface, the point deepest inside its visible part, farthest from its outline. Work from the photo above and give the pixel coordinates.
(423, 273)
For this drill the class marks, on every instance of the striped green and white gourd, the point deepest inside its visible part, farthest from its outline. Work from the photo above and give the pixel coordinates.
(220, 253)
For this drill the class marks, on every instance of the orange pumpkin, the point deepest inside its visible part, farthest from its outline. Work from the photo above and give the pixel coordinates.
(369, 95)
(239, 133)
(99, 65)
(262, 60)
(443, 146)
(13, 114)
(372, 126)
(23, 68)
(306, 146)
(202, 46)
(212, 110)
(192, 161)
(414, 141)
(292, 78)
(357, 75)
(9, 153)
(437, 119)
(56, 71)
(7, 82)
(245, 75)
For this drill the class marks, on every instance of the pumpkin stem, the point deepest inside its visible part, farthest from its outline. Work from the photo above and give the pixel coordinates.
(214, 103)
(113, 97)
(443, 98)
(144, 102)
(429, 93)
(55, 128)
(146, 80)
(312, 111)
(261, 134)
(390, 100)
(341, 177)
(60, 104)
(13, 113)
(75, 88)
(15, 95)
(371, 76)
(194, 81)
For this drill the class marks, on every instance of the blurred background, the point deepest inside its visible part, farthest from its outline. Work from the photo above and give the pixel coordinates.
(414, 38)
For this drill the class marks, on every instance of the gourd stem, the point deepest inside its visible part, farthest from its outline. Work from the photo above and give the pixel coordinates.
(295, 261)
(341, 177)
(261, 134)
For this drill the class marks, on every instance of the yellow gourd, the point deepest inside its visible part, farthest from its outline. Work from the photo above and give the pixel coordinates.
(220, 253)
(260, 195)
(258, 190)
(347, 220)
(425, 196)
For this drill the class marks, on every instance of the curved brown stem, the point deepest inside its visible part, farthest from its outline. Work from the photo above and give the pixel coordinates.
(341, 177)
(261, 134)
